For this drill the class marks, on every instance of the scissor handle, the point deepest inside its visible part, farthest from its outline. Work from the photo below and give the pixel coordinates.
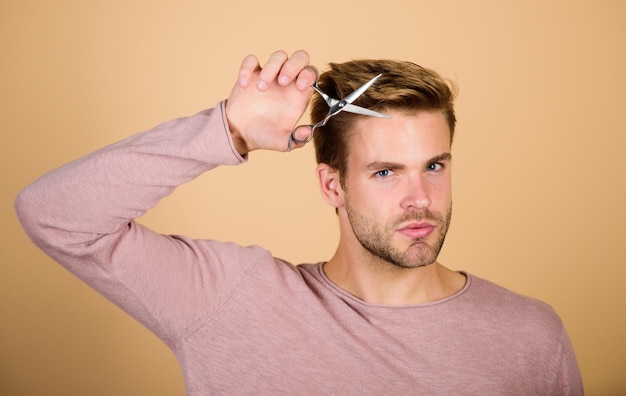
(293, 139)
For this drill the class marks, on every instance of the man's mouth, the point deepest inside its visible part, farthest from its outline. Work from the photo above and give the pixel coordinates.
(417, 230)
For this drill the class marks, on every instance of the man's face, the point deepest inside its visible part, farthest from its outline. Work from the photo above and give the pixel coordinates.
(397, 192)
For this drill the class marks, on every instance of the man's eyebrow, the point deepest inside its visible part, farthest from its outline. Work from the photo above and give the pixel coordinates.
(441, 158)
(378, 165)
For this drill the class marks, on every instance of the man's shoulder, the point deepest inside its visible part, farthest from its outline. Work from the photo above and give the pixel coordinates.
(511, 306)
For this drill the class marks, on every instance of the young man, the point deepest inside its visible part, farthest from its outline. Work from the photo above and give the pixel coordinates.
(382, 315)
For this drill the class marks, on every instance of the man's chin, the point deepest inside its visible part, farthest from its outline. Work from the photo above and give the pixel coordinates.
(420, 254)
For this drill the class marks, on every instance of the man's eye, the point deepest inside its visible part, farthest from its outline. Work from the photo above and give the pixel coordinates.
(383, 173)
(434, 167)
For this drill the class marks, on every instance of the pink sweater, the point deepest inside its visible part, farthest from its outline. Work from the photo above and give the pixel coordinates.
(242, 322)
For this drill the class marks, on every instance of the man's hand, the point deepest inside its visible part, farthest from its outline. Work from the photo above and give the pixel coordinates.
(267, 102)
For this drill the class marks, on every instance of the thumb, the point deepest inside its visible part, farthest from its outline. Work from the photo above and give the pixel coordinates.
(301, 135)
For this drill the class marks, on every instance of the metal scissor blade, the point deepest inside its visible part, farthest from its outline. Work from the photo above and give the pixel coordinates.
(359, 91)
(329, 101)
(361, 110)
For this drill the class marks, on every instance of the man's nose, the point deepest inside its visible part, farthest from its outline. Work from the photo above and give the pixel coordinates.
(416, 193)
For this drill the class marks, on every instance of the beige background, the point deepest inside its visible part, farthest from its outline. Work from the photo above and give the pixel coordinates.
(539, 169)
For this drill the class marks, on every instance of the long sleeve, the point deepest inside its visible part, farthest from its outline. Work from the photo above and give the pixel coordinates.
(82, 215)
(96, 195)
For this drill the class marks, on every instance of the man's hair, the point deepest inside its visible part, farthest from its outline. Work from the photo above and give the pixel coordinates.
(403, 86)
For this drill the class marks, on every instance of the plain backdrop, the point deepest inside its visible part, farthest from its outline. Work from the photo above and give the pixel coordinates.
(539, 167)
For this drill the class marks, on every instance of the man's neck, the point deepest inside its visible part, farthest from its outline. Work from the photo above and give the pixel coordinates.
(380, 282)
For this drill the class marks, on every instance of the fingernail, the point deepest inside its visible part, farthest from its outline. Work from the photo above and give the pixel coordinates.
(243, 82)
(301, 84)
(283, 80)
(262, 85)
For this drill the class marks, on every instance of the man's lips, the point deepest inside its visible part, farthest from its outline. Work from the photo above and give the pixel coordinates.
(417, 230)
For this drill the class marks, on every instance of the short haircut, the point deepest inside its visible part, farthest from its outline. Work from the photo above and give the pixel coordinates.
(403, 86)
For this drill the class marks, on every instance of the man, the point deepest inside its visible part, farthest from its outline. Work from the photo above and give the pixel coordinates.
(381, 316)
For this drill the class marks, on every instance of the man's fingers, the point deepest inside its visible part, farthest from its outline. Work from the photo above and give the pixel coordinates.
(286, 69)
(272, 68)
(249, 65)
(293, 67)
(306, 77)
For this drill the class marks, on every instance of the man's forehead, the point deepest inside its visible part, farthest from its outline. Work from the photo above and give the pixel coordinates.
(405, 133)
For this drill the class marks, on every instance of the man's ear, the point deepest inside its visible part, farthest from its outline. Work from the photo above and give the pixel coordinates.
(330, 186)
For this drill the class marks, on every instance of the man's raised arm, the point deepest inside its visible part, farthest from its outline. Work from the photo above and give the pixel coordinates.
(82, 214)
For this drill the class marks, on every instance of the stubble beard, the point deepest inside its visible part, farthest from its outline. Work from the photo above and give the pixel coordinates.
(378, 239)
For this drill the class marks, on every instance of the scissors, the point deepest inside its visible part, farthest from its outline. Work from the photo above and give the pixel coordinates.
(336, 106)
